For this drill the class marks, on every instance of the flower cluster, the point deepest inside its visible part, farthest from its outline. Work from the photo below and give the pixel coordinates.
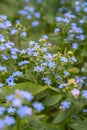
(20, 106)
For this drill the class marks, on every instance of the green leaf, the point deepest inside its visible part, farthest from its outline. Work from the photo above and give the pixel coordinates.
(79, 125)
(52, 100)
(27, 86)
(78, 106)
(62, 115)
(30, 76)
(48, 126)
(28, 128)
(35, 122)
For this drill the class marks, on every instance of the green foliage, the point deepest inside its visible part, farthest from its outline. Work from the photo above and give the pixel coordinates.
(52, 100)
(61, 116)
(55, 82)
(28, 86)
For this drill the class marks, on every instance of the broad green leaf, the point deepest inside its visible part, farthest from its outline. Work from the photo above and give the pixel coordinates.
(52, 100)
(27, 86)
(62, 115)
(79, 125)
(49, 126)
(78, 106)
(35, 122)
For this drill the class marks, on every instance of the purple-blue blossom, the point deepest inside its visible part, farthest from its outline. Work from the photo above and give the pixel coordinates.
(57, 30)
(24, 111)
(10, 98)
(27, 95)
(61, 86)
(38, 68)
(24, 34)
(35, 23)
(17, 73)
(3, 68)
(73, 59)
(13, 31)
(21, 63)
(47, 81)
(65, 105)
(84, 93)
(11, 109)
(39, 1)
(2, 38)
(37, 14)
(9, 120)
(75, 46)
(38, 106)
(2, 110)
(66, 73)
(2, 124)
(1, 85)
(63, 59)
(17, 102)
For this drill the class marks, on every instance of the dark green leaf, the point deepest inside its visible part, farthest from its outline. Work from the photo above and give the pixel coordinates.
(79, 125)
(50, 126)
(52, 100)
(62, 115)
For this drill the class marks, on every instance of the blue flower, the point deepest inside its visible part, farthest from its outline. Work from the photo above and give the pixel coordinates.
(17, 102)
(65, 105)
(73, 59)
(24, 111)
(22, 12)
(69, 15)
(7, 24)
(81, 37)
(14, 57)
(13, 31)
(3, 17)
(38, 68)
(2, 124)
(47, 81)
(24, 34)
(35, 23)
(9, 120)
(38, 106)
(27, 0)
(75, 46)
(4, 57)
(1, 85)
(48, 56)
(3, 68)
(28, 96)
(66, 73)
(84, 110)
(61, 86)
(51, 64)
(37, 14)
(39, 1)
(2, 110)
(45, 36)
(2, 39)
(63, 59)
(21, 63)
(57, 30)
(84, 93)
(10, 81)
(10, 98)
(17, 73)
(11, 109)
(29, 16)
